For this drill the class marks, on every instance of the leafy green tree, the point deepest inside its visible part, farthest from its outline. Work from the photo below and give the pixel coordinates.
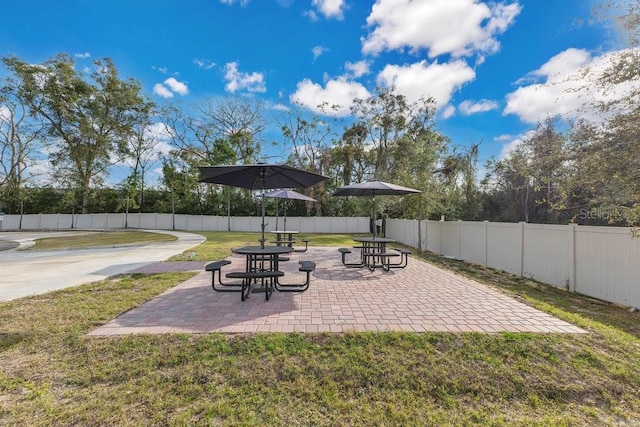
(90, 121)
(400, 144)
(602, 156)
(457, 178)
(534, 176)
(309, 138)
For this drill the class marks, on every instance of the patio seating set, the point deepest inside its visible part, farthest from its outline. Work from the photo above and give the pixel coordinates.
(374, 254)
(262, 272)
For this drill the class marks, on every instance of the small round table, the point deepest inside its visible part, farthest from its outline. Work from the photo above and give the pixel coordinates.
(374, 251)
(284, 237)
(261, 259)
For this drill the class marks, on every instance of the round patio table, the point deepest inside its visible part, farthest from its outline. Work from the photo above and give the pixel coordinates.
(284, 237)
(260, 261)
(374, 251)
(262, 256)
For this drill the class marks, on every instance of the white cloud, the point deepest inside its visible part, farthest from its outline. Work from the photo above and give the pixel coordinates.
(242, 3)
(177, 86)
(456, 27)
(511, 142)
(422, 80)
(204, 63)
(448, 111)
(157, 132)
(163, 70)
(469, 107)
(5, 113)
(337, 92)
(358, 69)
(564, 86)
(313, 16)
(83, 55)
(170, 86)
(236, 80)
(330, 8)
(160, 90)
(318, 50)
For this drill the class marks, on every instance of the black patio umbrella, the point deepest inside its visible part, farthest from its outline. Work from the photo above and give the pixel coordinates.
(373, 189)
(259, 176)
(287, 195)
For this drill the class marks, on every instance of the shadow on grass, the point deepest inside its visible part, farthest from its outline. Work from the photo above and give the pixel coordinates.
(10, 339)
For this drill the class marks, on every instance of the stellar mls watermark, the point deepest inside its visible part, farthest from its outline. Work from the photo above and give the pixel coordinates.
(604, 214)
(597, 213)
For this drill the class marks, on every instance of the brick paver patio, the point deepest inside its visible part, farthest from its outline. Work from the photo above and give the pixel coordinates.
(419, 298)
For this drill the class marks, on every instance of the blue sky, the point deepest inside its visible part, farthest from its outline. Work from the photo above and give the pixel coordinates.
(494, 68)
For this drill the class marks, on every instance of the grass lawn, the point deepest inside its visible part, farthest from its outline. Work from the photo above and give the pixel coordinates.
(52, 374)
(92, 239)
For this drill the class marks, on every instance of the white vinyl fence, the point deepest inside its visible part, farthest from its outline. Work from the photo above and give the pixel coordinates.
(602, 262)
(155, 221)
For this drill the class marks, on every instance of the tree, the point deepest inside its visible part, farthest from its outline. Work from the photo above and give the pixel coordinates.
(239, 121)
(458, 178)
(606, 160)
(348, 157)
(20, 135)
(90, 122)
(143, 153)
(384, 116)
(309, 138)
(535, 175)
(395, 140)
(604, 153)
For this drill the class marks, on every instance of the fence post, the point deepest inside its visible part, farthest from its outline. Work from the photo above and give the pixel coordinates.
(486, 243)
(572, 258)
(459, 239)
(522, 223)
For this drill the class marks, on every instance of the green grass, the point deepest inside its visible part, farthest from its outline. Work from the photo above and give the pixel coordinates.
(51, 373)
(219, 243)
(92, 239)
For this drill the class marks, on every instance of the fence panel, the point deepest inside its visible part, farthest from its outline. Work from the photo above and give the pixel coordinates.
(546, 253)
(608, 264)
(473, 245)
(450, 239)
(504, 247)
(433, 236)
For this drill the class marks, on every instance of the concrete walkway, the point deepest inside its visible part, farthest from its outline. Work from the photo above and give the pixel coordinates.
(37, 272)
(419, 298)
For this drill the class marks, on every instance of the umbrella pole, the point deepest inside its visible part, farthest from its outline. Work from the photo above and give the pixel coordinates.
(263, 174)
(285, 216)
(262, 241)
(375, 226)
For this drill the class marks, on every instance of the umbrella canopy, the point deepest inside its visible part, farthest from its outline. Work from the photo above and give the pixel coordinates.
(373, 189)
(287, 195)
(260, 176)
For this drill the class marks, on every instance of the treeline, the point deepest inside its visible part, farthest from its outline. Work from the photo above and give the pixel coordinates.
(73, 127)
